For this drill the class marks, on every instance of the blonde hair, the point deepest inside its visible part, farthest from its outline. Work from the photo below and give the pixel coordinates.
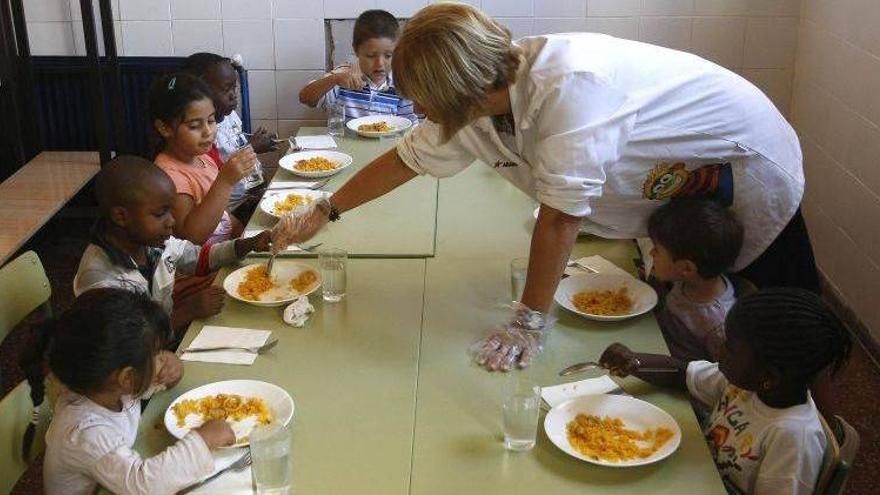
(449, 56)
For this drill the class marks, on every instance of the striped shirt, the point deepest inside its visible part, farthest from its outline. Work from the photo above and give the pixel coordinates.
(372, 99)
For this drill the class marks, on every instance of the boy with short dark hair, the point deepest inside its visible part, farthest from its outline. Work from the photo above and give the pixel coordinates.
(132, 248)
(695, 242)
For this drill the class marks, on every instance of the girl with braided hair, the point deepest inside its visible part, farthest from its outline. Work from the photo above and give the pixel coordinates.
(764, 429)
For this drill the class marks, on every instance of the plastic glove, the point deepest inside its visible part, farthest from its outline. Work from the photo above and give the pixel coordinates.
(300, 225)
(515, 342)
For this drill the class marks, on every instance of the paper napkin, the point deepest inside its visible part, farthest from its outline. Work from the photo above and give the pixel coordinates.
(558, 394)
(212, 336)
(319, 142)
(595, 264)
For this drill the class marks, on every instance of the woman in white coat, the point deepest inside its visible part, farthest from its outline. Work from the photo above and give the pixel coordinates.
(599, 130)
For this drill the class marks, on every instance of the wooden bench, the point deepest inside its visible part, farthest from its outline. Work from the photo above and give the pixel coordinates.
(35, 193)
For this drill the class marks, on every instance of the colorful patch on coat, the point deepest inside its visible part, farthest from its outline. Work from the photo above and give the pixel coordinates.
(713, 182)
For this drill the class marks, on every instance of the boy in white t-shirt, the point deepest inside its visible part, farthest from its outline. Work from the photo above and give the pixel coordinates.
(764, 429)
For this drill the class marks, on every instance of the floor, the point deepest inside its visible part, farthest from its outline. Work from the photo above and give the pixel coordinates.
(61, 243)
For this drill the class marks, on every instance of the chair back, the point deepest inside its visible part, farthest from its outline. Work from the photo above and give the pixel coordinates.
(849, 440)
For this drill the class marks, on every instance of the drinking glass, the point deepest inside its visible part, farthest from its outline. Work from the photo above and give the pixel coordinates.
(332, 263)
(255, 178)
(519, 268)
(520, 414)
(272, 464)
(336, 119)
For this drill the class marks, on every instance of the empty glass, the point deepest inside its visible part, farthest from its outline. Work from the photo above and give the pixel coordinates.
(520, 411)
(272, 464)
(336, 119)
(519, 267)
(332, 263)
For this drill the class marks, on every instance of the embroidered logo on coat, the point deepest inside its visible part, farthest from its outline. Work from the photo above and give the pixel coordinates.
(667, 181)
(504, 164)
(170, 265)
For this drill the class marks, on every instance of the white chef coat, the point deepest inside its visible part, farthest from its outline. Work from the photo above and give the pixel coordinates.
(608, 129)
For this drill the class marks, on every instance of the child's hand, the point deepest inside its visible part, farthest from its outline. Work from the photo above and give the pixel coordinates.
(216, 433)
(619, 360)
(207, 302)
(263, 141)
(169, 369)
(240, 164)
(349, 77)
(260, 243)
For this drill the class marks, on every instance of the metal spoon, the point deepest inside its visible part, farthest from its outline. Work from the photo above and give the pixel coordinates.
(270, 264)
(588, 365)
(257, 350)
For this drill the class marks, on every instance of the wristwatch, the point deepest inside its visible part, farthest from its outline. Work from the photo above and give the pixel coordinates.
(329, 209)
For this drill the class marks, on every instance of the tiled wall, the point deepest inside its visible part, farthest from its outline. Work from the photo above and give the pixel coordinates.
(836, 109)
(282, 41)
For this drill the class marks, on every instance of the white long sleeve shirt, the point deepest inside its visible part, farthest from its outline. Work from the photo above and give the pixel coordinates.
(89, 445)
(608, 129)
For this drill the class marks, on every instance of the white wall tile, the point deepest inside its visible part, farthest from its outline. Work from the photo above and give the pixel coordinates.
(196, 36)
(346, 9)
(775, 7)
(720, 40)
(671, 32)
(508, 8)
(558, 25)
(80, 42)
(141, 10)
(613, 8)
(667, 7)
(298, 9)
(475, 3)
(261, 84)
(235, 10)
(146, 38)
(50, 38)
(401, 8)
(288, 84)
(76, 12)
(299, 44)
(253, 40)
(46, 10)
(621, 27)
(721, 7)
(195, 9)
(518, 26)
(775, 83)
(561, 8)
(771, 42)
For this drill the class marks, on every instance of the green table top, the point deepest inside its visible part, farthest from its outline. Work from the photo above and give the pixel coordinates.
(387, 399)
(398, 225)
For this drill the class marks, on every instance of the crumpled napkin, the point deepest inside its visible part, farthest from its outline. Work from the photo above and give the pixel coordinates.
(297, 313)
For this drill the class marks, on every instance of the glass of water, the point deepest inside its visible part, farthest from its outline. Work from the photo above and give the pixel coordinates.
(255, 178)
(336, 119)
(520, 411)
(519, 268)
(272, 464)
(332, 263)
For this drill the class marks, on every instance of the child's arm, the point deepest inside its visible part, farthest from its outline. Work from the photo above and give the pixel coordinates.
(124, 471)
(346, 77)
(621, 361)
(197, 222)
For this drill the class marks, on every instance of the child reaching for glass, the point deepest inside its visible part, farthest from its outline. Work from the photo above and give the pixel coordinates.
(764, 430)
(695, 242)
(182, 113)
(132, 248)
(106, 351)
(364, 87)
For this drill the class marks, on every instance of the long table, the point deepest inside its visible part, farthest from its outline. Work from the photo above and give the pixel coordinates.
(387, 399)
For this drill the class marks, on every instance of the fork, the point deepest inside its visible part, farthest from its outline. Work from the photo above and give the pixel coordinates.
(312, 247)
(260, 349)
(243, 462)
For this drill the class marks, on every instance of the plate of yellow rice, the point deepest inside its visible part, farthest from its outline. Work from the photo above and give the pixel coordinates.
(244, 404)
(315, 164)
(276, 204)
(612, 430)
(605, 296)
(289, 280)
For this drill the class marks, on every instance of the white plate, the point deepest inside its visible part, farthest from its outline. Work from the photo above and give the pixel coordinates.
(399, 124)
(636, 415)
(267, 204)
(643, 296)
(277, 399)
(288, 162)
(282, 273)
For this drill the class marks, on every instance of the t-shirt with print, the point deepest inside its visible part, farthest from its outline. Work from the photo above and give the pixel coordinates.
(760, 449)
(195, 180)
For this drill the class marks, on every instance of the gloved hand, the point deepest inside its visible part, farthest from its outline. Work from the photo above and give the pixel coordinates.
(515, 342)
(300, 225)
